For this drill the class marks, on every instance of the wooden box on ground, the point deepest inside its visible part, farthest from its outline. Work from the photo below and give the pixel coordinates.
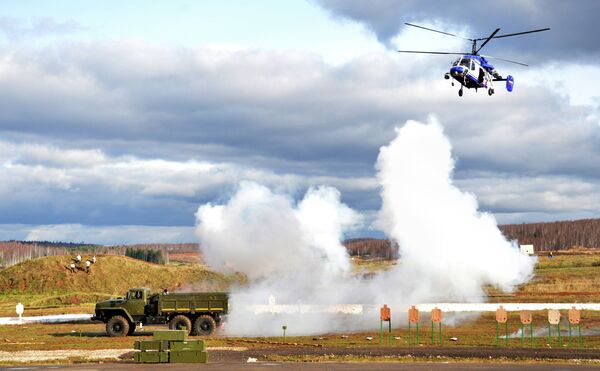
(158, 345)
(176, 335)
(188, 356)
(151, 357)
(170, 346)
(196, 345)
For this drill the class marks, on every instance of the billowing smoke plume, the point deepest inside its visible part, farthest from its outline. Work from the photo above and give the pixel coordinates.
(292, 254)
(448, 249)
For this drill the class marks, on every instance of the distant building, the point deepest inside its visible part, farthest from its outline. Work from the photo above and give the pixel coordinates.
(527, 249)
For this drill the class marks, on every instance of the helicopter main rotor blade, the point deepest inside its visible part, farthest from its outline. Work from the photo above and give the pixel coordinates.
(486, 40)
(519, 33)
(425, 52)
(505, 60)
(442, 32)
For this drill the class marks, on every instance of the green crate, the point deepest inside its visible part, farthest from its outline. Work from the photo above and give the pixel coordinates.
(160, 345)
(177, 335)
(188, 356)
(197, 345)
(151, 357)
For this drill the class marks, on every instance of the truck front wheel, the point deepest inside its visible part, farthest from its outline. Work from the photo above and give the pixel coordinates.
(117, 326)
(181, 322)
(205, 325)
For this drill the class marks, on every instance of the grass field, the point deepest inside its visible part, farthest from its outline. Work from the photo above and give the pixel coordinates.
(46, 287)
(478, 331)
(573, 276)
(563, 278)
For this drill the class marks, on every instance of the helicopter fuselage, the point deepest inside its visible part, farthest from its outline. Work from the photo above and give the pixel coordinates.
(473, 71)
(468, 72)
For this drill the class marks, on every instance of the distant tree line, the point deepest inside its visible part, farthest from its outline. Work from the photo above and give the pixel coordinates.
(148, 255)
(14, 252)
(71, 245)
(555, 235)
(543, 236)
(372, 248)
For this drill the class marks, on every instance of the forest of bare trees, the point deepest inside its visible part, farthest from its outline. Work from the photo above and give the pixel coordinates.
(371, 248)
(544, 236)
(15, 252)
(555, 235)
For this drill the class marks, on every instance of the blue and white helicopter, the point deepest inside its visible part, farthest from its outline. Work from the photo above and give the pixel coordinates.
(473, 70)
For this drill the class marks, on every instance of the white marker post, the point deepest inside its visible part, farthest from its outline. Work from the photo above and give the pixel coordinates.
(20, 310)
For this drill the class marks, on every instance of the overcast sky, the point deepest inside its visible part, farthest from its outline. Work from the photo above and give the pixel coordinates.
(119, 118)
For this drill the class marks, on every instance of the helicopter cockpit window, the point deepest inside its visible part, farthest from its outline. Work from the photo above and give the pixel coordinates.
(455, 63)
(465, 62)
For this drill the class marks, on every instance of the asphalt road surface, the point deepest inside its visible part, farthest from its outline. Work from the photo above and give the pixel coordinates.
(562, 359)
(262, 366)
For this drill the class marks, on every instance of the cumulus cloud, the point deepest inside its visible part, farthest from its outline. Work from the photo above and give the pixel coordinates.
(573, 26)
(18, 29)
(89, 185)
(107, 235)
(138, 133)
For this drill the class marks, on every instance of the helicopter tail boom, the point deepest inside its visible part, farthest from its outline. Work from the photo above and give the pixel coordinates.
(510, 82)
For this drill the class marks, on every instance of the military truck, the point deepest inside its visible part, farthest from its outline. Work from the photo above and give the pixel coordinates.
(198, 313)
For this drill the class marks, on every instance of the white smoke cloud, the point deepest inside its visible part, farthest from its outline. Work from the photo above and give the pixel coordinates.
(265, 236)
(292, 252)
(448, 249)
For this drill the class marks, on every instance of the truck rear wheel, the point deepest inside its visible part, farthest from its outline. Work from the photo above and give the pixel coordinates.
(181, 322)
(117, 326)
(205, 325)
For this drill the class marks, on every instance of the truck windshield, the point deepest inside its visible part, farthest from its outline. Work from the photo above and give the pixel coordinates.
(134, 295)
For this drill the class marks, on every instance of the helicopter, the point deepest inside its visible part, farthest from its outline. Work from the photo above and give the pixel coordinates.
(473, 70)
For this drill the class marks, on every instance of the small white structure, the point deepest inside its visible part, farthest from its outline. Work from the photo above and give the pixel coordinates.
(20, 309)
(527, 249)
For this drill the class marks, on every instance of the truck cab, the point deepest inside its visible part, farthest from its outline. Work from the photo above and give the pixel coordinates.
(122, 314)
(134, 304)
(136, 301)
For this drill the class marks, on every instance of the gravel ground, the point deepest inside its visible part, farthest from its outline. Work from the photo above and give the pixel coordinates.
(52, 355)
(90, 355)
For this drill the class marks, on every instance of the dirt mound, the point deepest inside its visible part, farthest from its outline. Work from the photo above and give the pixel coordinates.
(112, 275)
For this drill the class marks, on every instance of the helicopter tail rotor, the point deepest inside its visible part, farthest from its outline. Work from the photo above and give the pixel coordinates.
(510, 83)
